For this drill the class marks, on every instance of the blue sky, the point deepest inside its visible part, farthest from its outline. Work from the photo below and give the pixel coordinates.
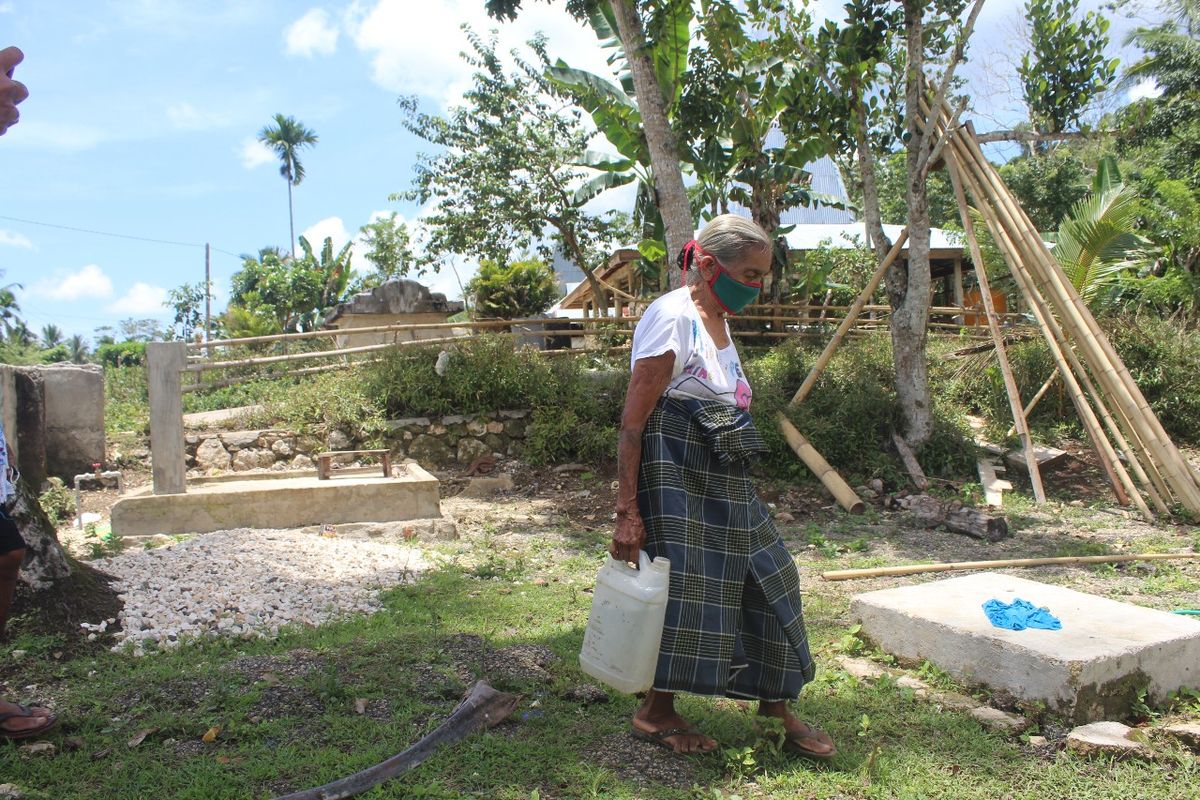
(142, 116)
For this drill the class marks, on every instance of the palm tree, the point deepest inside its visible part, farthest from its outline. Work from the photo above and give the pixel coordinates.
(9, 307)
(286, 136)
(78, 347)
(52, 335)
(1097, 243)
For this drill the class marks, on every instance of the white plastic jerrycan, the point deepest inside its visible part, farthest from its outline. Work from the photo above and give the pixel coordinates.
(625, 628)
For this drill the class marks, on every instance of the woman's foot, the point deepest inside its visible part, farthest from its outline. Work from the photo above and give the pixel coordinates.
(799, 737)
(657, 722)
(19, 722)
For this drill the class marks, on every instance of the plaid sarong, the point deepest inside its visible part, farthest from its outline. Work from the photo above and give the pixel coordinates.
(734, 624)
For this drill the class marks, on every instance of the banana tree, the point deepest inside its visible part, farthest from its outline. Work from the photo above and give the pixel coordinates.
(1097, 243)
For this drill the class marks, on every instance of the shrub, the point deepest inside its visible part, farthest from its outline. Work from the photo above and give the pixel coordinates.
(57, 501)
(850, 414)
(121, 354)
(331, 400)
(127, 404)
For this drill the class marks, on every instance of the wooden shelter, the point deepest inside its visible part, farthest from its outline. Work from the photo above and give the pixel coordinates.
(623, 284)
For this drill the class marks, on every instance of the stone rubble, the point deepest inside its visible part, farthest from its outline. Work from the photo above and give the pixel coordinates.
(248, 584)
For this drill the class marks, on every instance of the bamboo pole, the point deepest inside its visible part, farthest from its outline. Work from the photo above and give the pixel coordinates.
(849, 320)
(1122, 484)
(840, 490)
(1010, 381)
(1037, 398)
(957, 566)
(1111, 372)
(1001, 204)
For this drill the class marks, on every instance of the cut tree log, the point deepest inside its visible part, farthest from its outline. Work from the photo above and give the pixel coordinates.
(46, 563)
(484, 707)
(956, 517)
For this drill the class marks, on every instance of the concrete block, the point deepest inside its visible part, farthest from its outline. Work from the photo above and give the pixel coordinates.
(74, 418)
(1090, 669)
(280, 501)
(1186, 733)
(1108, 739)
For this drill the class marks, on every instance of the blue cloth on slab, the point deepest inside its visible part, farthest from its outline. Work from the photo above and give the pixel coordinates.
(1019, 615)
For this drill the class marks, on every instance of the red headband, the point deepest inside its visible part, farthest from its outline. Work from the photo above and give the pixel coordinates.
(689, 253)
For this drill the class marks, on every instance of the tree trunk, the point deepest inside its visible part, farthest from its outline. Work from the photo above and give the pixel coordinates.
(572, 243)
(908, 283)
(291, 218)
(670, 196)
(45, 561)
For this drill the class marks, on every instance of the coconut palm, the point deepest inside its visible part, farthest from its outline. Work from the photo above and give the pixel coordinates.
(1097, 242)
(9, 308)
(77, 346)
(52, 335)
(286, 136)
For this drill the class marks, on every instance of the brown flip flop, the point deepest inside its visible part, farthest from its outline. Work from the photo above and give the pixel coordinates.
(660, 737)
(24, 712)
(792, 743)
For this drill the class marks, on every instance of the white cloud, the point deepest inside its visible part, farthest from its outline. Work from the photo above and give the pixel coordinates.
(420, 54)
(310, 35)
(187, 117)
(1144, 89)
(15, 240)
(7, 8)
(142, 298)
(89, 282)
(331, 227)
(254, 153)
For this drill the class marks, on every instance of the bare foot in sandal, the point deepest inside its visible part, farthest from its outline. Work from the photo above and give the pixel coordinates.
(19, 722)
(657, 722)
(800, 738)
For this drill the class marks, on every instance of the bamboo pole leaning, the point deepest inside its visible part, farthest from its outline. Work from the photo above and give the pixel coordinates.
(985, 291)
(828, 476)
(849, 320)
(1059, 348)
(1099, 355)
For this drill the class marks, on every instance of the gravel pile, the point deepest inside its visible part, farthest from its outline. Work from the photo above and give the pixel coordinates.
(249, 584)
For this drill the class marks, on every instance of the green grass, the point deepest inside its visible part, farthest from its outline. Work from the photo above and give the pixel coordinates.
(283, 730)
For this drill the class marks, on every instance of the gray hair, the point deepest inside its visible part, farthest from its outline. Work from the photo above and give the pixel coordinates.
(728, 238)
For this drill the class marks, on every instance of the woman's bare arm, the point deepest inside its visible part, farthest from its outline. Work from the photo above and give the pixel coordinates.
(646, 385)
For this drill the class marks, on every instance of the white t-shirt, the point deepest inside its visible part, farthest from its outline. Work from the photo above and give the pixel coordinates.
(701, 371)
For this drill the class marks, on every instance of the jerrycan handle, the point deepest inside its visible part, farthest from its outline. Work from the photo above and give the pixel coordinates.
(643, 564)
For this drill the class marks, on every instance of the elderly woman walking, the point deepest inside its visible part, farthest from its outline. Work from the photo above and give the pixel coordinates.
(734, 625)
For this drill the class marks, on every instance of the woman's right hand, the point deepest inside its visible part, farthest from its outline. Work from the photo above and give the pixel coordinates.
(628, 538)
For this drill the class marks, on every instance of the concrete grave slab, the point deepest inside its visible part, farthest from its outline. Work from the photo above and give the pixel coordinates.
(272, 500)
(1091, 669)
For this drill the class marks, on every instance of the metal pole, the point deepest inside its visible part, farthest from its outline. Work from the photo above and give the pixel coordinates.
(208, 295)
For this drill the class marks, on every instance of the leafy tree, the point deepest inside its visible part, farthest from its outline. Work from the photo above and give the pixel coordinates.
(140, 330)
(239, 322)
(1066, 67)
(389, 249)
(1167, 127)
(514, 290)
(892, 174)
(294, 292)
(122, 354)
(646, 61)
(52, 335)
(1048, 184)
(187, 301)
(286, 137)
(9, 308)
(20, 335)
(506, 174)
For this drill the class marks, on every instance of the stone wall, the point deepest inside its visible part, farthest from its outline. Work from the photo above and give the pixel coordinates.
(433, 442)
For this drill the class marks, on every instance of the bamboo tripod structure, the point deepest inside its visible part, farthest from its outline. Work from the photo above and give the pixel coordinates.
(1113, 410)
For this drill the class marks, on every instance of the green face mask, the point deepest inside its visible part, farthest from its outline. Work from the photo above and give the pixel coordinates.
(732, 294)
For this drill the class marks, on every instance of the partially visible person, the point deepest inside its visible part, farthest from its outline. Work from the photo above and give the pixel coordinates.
(12, 91)
(16, 721)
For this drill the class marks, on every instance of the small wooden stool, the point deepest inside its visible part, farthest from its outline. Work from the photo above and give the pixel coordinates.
(325, 461)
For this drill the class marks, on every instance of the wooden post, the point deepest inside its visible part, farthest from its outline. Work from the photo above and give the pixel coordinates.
(164, 361)
(208, 297)
(1010, 382)
(958, 288)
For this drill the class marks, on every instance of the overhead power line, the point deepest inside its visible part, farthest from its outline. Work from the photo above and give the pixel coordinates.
(115, 235)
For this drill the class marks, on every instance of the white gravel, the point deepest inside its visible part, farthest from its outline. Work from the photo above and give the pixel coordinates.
(249, 584)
